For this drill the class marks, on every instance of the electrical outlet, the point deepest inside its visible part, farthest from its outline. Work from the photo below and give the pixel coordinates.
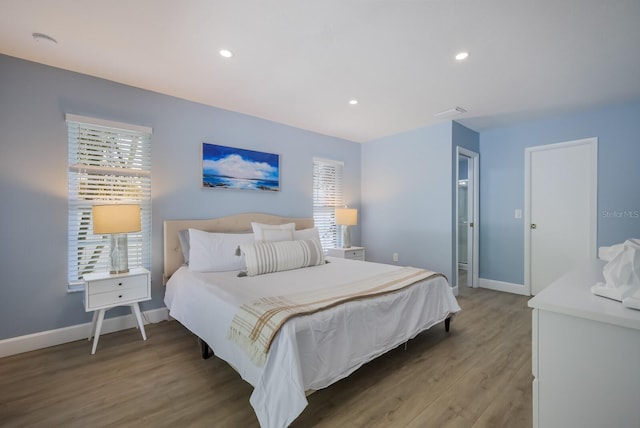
(395, 257)
(518, 213)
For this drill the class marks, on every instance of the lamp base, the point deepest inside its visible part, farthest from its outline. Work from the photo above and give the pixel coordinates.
(346, 237)
(119, 254)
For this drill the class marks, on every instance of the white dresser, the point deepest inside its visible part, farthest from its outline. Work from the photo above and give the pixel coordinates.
(585, 355)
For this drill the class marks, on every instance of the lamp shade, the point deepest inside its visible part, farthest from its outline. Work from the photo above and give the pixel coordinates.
(110, 219)
(346, 216)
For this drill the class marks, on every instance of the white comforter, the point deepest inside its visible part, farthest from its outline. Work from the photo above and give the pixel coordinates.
(310, 352)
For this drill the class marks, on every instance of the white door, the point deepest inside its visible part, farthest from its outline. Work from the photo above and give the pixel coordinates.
(560, 209)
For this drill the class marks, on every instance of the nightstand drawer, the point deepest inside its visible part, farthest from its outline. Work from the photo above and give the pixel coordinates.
(351, 253)
(116, 284)
(354, 254)
(118, 297)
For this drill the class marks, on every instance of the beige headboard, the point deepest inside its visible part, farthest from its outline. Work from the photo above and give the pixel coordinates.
(232, 224)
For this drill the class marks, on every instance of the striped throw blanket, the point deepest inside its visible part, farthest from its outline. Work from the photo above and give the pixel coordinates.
(255, 324)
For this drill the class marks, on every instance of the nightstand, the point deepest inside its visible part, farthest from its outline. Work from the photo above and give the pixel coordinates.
(103, 291)
(353, 253)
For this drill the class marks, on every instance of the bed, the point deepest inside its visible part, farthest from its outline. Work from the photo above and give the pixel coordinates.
(309, 351)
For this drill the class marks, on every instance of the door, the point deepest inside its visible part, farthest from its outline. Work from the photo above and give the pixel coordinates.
(560, 209)
(467, 218)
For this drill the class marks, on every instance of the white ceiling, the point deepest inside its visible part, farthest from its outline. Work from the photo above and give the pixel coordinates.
(299, 62)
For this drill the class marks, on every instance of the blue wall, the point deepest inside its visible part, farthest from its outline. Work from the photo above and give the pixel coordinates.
(464, 137)
(463, 169)
(405, 206)
(33, 179)
(502, 182)
(408, 196)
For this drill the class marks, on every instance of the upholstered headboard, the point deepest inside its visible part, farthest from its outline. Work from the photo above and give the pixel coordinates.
(231, 224)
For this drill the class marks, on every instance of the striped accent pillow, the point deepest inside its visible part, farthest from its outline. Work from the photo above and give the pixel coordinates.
(267, 257)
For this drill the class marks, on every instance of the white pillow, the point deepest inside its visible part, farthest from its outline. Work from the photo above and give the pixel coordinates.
(311, 233)
(216, 252)
(273, 232)
(267, 257)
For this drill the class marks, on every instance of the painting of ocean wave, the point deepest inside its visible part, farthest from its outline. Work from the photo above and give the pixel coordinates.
(232, 168)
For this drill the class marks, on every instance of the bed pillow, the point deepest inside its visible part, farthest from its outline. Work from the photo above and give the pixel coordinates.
(273, 232)
(267, 257)
(183, 236)
(216, 252)
(311, 233)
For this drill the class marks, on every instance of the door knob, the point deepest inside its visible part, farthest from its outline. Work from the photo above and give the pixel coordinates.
(533, 226)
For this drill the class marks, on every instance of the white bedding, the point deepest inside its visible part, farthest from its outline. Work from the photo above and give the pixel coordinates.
(313, 351)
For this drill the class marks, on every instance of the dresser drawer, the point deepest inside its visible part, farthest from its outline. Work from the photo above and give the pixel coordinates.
(115, 284)
(117, 297)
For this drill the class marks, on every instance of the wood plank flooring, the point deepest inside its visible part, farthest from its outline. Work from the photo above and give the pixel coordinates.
(477, 375)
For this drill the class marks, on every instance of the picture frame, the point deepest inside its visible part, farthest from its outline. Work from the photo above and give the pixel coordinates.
(225, 167)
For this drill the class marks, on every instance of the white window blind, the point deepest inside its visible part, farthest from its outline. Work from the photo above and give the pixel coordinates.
(327, 196)
(109, 162)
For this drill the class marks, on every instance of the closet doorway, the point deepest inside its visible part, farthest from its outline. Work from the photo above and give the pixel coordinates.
(467, 205)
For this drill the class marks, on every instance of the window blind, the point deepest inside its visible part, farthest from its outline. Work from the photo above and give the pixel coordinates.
(108, 162)
(327, 196)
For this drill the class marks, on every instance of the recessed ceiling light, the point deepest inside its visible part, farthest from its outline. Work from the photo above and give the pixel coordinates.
(353, 102)
(225, 53)
(462, 55)
(41, 37)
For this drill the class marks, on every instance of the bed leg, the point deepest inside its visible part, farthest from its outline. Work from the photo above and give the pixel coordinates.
(447, 324)
(205, 349)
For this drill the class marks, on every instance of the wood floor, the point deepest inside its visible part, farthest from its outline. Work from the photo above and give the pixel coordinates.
(477, 375)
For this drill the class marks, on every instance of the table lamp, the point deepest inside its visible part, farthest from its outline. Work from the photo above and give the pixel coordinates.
(346, 217)
(117, 221)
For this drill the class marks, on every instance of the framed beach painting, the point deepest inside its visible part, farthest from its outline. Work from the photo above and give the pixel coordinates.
(232, 168)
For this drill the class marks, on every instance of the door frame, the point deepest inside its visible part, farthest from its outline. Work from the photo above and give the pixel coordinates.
(593, 199)
(474, 174)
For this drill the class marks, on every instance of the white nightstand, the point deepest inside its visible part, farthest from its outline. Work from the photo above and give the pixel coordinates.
(353, 253)
(103, 291)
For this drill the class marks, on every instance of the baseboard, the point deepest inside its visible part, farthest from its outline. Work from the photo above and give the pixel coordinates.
(455, 290)
(508, 287)
(44, 339)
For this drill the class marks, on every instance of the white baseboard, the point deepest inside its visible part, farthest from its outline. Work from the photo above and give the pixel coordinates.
(44, 339)
(508, 287)
(455, 290)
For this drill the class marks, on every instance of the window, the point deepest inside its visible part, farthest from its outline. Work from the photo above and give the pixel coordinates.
(327, 196)
(109, 162)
